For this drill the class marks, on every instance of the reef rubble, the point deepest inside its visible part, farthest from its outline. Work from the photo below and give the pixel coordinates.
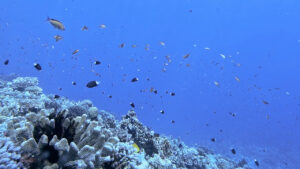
(43, 131)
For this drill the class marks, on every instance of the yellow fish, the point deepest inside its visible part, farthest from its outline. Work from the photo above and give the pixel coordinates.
(136, 147)
(56, 24)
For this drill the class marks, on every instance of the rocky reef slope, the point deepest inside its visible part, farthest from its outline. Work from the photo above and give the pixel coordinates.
(51, 132)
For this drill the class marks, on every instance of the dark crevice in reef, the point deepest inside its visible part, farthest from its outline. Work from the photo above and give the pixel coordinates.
(108, 165)
(49, 153)
(58, 130)
(34, 166)
(38, 131)
(34, 109)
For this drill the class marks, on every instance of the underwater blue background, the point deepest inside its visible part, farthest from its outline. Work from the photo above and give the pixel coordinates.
(262, 36)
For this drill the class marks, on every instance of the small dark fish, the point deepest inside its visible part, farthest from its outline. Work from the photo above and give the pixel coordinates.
(92, 84)
(6, 62)
(156, 135)
(57, 38)
(180, 145)
(60, 88)
(233, 151)
(84, 28)
(122, 45)
(265, 102)
(172, 94)
(75, 51)
(232, 114)
(132, 105)
(162, 112)
(186, 56)
(110, 96)
(56, 96)
(168, 58)
(256, 163)
(213, 139)
(56, 24)
(37, 66)
(135, 79)
(97, 62)
(173, 121)
(74, 83)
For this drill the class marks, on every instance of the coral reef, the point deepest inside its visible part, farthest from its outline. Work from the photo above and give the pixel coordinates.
(40, 131)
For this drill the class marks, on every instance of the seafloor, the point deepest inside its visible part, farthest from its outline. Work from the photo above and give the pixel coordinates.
(48, 131)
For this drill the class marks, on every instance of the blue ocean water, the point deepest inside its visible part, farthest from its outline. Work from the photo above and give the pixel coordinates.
(239, 83)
